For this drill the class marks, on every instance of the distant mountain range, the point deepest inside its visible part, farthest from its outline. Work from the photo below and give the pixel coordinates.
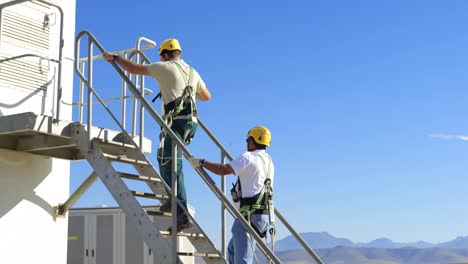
(351, 255)
(324, 240)
(334, 250)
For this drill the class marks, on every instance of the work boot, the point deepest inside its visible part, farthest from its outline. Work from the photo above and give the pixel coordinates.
(166, 207)
(183, 222)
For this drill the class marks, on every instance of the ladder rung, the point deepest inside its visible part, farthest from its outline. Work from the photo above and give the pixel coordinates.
(150, 195)
(126, 160)
(114, 143)
(184, 234)
(139, 177)
(113, 147)
(198, 254)
(158, 213)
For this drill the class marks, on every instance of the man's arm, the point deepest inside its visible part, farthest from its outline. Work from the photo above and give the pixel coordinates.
(128, 65)
(203, 94)
(217, 168)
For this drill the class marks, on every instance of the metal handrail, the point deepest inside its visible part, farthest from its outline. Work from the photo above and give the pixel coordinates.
(211, 184)
(107, 100)
(151, 45)
(208, 180)
(133, 89)
(140, 58)
(28, 55)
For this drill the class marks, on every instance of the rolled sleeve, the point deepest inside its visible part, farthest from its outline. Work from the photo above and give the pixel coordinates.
(200, 85)
(239, 164)
(156, 69)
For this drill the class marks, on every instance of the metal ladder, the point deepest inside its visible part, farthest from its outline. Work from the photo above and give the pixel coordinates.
(101, 155)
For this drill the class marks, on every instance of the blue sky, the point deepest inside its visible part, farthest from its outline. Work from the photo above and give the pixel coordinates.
(363, 99)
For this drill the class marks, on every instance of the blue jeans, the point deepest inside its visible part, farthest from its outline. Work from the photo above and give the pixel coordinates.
(240, 247)
(184, 130)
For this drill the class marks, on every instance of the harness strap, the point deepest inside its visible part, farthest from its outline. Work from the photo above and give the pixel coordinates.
(178, 107)
(188, 85)
(257, 205)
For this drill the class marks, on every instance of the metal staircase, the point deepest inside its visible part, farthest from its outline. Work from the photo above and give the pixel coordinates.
(103, 155)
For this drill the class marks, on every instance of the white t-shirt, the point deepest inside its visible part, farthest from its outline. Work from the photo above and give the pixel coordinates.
(252, 171)
(171, 82)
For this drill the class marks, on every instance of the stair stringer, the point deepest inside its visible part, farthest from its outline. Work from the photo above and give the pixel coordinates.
(137, 216)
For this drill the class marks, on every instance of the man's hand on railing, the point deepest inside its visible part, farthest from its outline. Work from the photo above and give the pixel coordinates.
(196, 162)
(110, 57)
(128, 65)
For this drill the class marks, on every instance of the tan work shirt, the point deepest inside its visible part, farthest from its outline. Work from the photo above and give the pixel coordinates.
(171, 82)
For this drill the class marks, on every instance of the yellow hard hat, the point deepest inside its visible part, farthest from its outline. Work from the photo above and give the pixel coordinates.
(170, 44)
(261, 135)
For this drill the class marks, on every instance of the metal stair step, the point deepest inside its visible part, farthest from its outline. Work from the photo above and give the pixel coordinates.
(126, 160)
(139, 177)
(158, 213)
(150, 195)
(198, 254)
(114, 147)
(184, 234)
(199, 240)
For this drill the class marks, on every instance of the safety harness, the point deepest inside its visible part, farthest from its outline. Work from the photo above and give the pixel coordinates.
(184, 107)
(262, 203)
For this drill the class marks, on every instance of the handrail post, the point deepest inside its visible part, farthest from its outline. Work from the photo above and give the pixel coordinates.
(140, 59)
(142, 86)
(90, 84)
(223, 211)
(142, 112)
(135, 106)
(80, 109)
(174, 200)
(59, 82)
(124, 94)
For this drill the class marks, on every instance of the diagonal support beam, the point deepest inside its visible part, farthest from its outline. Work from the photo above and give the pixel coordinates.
(62, 209)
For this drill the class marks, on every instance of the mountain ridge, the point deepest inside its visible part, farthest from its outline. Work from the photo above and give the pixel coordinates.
(352, 255)
(325, 240)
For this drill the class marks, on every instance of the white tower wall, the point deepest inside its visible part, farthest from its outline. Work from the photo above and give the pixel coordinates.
(31, 186)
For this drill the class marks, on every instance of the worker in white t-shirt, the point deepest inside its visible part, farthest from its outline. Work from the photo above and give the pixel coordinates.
(179, 84)
(256, 172)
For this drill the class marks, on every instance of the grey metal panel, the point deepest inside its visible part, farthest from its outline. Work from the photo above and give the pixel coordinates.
(25, 26)
(75, 246)
(104, 239)
(134, 249)
(24, 31)
(29, 74)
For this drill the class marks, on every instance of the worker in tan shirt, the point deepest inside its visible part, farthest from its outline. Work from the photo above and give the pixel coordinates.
(180, 85)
